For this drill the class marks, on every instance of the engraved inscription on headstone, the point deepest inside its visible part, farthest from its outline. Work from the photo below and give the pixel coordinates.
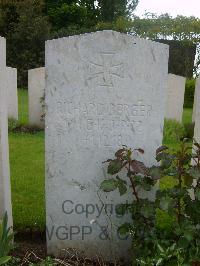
(103, 90)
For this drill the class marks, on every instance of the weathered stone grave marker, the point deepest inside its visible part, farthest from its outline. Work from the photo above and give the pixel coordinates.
(36, 86)
(5, 189)
(175, 97)
(197, 88)
(12, 93)
(103, 90)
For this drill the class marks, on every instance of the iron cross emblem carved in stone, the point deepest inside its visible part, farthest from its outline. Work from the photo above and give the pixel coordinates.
(103, 69)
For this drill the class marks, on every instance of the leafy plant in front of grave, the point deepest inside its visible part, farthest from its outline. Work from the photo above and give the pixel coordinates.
(6, 240)
(141, 179)
(180, 203)
(153, 244)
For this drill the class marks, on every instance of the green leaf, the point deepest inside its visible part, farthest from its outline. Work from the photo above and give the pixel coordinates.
(165, 159)
(188, 234)
(122, 189)
(114, 166)
(147, 183)
(155, 172)
(109, 185)
(121, 209)
(197, 194)
(121, 184)
(183, 242)
(166, 162)
(160, 248)
(147, 211)
(4, 260)
(165, 203)
(124, 229)
(188, 180)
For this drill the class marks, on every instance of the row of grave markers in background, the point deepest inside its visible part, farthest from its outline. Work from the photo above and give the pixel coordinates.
(103, 90)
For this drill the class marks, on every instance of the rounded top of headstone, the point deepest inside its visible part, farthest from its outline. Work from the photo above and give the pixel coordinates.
(106, 34)
(36, 69)
(176, 76)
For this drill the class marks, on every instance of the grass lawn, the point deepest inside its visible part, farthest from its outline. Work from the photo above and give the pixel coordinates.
(23, 106)
(187, 115)
(27, 172)
(27, 178)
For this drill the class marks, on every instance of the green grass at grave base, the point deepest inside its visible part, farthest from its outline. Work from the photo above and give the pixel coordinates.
(187, 115)
(27, 173)
(23, 106)
(27, 179)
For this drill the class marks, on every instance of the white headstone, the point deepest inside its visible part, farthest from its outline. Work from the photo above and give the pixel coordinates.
(197, 113)
(36, 86)
(175, 98)
(103, 90)
(12, 93)
(5, 188)
(197, 88)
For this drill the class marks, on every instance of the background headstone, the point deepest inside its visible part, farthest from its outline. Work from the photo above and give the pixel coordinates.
(197, 88)
(197, 112)
(103, 90)
(5, 188)
(36, 86)
(12, 93)
(175, 98)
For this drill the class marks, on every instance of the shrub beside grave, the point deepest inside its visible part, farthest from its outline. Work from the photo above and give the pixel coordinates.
(6, 240)
(189, 130)
(179, 244)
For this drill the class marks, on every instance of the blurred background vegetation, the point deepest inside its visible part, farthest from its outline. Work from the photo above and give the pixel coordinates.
(26, 24)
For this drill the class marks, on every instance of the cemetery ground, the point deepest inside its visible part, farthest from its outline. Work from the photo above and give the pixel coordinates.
(27, 171)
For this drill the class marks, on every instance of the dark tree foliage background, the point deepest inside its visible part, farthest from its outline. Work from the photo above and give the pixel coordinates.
(26, 27)
(26, 24)
(181, 57)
